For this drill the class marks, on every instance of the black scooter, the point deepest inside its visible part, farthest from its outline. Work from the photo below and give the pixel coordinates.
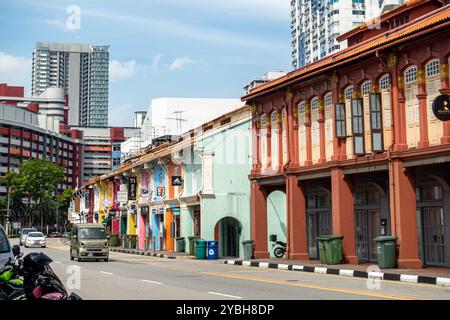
(279, 247)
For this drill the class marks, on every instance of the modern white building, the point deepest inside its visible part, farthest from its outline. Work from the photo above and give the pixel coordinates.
(315, 25)
(174, 116)
(83, 71)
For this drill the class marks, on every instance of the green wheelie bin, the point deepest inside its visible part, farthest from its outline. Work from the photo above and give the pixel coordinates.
(330, 249)
(192, 244)
(113, 240)
(386, 251)
(200, 249)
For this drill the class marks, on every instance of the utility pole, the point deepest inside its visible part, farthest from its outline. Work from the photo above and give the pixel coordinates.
(7, 211)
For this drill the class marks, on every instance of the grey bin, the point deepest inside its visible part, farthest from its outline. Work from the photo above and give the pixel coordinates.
(181, 244)
(248, 249)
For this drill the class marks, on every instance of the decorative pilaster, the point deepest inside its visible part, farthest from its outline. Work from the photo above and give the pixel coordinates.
(321, 120)
(422, 96)
(445, 89)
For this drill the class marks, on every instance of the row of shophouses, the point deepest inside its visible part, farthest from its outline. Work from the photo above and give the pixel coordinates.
(347, 145)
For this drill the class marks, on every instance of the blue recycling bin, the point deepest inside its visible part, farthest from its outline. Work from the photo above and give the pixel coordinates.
(211, 251)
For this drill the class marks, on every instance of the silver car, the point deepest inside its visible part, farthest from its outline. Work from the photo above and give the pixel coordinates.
(5, 248)
(35, 239)
(24, 234)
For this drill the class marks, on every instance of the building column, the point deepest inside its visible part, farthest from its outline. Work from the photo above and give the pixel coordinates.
(403, 214)
(343, 213)
(422, 96)
(398, 104)
(321, 120)
(445, 89)
(258, 220)
(292, 132)
(256, 162)
(308, 161)
(297, 245)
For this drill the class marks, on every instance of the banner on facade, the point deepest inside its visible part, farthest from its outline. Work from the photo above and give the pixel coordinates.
(132, 188)
(160, 191)
(122, 196)
(177, 181)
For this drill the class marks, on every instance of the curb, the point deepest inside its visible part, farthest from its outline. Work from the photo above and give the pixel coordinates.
(141, 253)
(439, 281)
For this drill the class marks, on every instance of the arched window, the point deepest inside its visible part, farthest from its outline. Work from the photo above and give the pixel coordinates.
(328, 105)
(412, 106)
(263, 141)
(302, 131)
(411, 75)
(433, 87)
(385, 82)
(432, 68)
(315, 130)
(349, 93)
(385, 91)
(366, 87)
(274, 139)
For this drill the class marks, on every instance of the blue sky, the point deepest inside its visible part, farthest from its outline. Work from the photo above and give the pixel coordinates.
(158, 48)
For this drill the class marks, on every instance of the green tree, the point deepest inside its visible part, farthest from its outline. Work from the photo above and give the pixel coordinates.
(37, 181)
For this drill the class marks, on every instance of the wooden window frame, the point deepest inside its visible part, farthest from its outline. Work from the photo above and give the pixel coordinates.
(376, 115)
(340, 125)
(358, 134)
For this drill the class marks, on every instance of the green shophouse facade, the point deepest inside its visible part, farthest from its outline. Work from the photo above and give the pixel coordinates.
(215, 204)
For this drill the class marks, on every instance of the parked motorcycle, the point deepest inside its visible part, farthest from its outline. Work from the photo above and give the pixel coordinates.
(32, 278)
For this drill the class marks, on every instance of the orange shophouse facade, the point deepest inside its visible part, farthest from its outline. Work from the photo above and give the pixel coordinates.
(353, 143)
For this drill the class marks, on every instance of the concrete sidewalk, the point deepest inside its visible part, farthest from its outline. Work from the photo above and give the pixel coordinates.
(161, 254)
(437, 276)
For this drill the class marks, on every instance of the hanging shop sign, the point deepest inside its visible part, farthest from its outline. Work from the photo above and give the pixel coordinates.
(160, 191)
(122, 196)
(132, 188)
(441, 107)
(106, 202)
(145, 192)
(177, 181)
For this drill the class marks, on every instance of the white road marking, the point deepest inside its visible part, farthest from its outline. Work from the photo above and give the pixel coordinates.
(58, 262)
(149, 281)
(104, 272)
(224, 295)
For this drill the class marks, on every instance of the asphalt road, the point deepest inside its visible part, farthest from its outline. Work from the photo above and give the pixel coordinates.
(141, 277)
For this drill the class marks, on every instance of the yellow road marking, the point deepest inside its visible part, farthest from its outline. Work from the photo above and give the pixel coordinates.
(333, 289)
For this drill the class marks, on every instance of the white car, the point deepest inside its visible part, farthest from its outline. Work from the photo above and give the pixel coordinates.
(5, 248)
(35, 239)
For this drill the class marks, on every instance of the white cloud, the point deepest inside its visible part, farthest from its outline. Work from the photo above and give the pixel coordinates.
(156, 61)
(58, 24)
(179, 63)
(121, 70)
(15, 70)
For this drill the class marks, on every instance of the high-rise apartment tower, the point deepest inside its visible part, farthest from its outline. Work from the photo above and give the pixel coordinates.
(83, 71)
